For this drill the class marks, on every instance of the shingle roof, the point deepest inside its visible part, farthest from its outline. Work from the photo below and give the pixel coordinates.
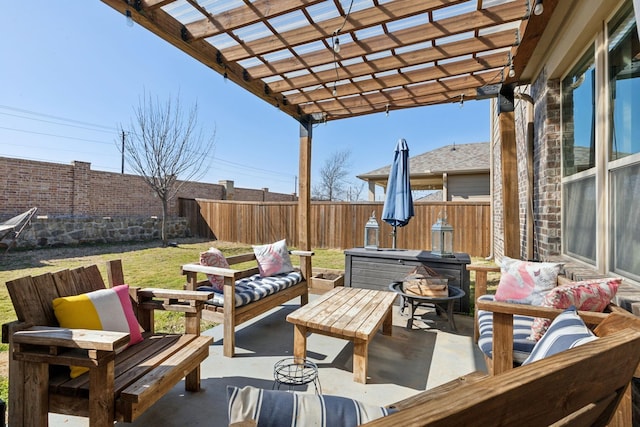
(460, 158)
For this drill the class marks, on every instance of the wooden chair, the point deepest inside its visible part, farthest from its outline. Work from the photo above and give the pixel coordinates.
(503, 317)
(230, 315)
(118, 386)
(578, 387)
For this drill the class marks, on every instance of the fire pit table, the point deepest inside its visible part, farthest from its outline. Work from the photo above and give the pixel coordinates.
(421, 300)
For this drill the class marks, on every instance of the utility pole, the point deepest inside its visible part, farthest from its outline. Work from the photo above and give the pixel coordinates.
(122, 167)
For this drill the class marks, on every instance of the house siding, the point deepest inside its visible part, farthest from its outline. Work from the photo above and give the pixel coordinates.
(473, 187)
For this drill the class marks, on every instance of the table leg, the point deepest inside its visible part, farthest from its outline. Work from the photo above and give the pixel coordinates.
(387, 323)
(299, 343)
(360, 360)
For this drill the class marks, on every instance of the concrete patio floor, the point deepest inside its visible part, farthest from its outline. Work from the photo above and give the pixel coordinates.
(400, 366)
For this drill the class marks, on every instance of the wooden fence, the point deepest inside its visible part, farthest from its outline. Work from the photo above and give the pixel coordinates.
(336, 225)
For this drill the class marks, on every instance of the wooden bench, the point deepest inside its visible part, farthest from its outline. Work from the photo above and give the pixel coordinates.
(230, 315)
(119, 385)
(583, 386)
(503, 317)
(353, 314)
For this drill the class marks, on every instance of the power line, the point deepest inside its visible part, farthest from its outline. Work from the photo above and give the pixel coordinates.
(50, 116)
(58, 123)
(55, 136)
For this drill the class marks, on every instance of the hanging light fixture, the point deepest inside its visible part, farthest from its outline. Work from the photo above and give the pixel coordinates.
(127, 13)
(336, 44)
(538, 9)
(512, 70)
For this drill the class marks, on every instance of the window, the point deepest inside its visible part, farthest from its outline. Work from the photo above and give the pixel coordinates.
(624, 143)
(624, 85)
(601, 150)
(578, 116)
(579, 217)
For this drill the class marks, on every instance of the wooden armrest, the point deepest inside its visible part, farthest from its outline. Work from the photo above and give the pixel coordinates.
(198, 268)
(481, 271)
(302, 253)
(436, 392)
(85, 339)
(487, 268)
(175, 294)
(589, 317)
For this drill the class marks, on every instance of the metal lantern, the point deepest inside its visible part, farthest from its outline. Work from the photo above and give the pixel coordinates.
(442, 238)
(371, 233)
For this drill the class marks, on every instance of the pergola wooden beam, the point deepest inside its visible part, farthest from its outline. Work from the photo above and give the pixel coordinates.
(433, 73)
(476, 45)
(505, 13)
(242, 16)
(452, 85)
(361, 20)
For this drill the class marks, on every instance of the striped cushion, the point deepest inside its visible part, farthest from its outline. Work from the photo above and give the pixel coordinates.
(566, 331)
(522, 345)
(274, 408)
(253, 288)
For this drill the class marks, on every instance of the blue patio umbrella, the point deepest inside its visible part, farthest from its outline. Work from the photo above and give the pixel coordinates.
(398, 203)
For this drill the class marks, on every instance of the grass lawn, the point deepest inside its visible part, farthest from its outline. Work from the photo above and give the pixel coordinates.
(145, 264)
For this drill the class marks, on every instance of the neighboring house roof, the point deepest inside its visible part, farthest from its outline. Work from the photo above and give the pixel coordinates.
(436, 196)
(427, 168)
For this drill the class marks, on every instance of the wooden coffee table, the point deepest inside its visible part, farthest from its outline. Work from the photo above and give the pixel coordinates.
(353, 314)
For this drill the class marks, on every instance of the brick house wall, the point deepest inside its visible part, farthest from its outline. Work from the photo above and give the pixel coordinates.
(547, 173)
(547, 168)
(75, 190)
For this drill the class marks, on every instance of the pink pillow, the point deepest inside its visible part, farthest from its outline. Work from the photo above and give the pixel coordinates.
(214, 258)
(589, 295)
(273, 258)
(526, 282)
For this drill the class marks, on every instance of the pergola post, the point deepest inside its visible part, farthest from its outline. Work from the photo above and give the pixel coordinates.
(304, 192)
(509, 163)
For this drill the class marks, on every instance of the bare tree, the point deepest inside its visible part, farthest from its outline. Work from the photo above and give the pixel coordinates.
(354, 191)
(333, 177)
(165, 144)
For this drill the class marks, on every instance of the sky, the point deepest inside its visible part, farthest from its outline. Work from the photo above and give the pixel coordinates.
(72, 72)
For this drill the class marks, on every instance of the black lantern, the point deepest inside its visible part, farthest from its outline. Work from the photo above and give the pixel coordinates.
(371, 233)
(442, 238)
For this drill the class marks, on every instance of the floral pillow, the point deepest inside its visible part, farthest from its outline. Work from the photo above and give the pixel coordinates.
(214, 258)
(273, 258)
(589, 295)
(526, 282)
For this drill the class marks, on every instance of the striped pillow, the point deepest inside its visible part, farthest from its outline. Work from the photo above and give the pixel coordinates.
(567, 331)
(105, 310)
(274, 408)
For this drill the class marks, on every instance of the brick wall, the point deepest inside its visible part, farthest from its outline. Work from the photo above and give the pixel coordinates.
(76, 190)
(547, 167)
(546, 171)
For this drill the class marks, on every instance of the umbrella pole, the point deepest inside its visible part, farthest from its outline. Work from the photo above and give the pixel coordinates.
(393, 237)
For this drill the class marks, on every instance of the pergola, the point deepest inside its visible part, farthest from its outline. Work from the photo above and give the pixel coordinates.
(322, 60)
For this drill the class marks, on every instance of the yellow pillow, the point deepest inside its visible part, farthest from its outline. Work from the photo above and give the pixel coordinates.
(104, 310)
